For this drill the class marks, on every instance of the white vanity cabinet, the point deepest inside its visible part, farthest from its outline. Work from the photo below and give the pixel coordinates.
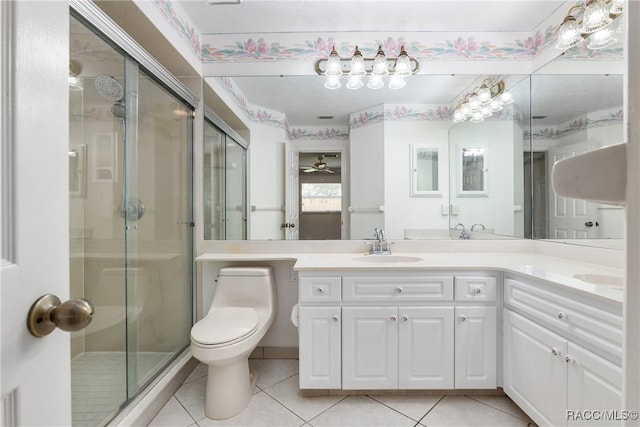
(320, 330)
(564, 355)
(397, 347)
(475, 347)
(397, 331)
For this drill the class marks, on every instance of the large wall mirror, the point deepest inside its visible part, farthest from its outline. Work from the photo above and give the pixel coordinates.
(573, 113)
(491, 176)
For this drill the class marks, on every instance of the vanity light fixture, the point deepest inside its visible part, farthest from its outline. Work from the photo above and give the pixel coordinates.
(482, 102)
(593, 21)
(375, 70)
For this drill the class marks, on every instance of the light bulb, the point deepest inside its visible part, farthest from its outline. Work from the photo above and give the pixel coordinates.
(375, 82)
(334, 64)
(495, 105)
(486, 111)
(569, 34)
(358, 67)
(596, 16)
(458, 117)
(380, 66)
(354, 82)
(506, 98)
(332, 82)
(465, 109)
(474, 102)
(403, 64)
(396, 82)
(484, 94)
(617, 7)
(601, 39)
(476, 117)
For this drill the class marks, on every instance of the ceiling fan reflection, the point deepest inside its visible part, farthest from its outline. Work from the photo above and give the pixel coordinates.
(318, 167)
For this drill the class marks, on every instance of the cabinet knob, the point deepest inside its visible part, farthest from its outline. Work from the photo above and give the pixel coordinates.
(462, 318)
(568, 358)
(405, 318)
(398, 290)
(335, 318)
(477, 290)
(394, 317)
(320, 290)
(554, 351)
(561, 315)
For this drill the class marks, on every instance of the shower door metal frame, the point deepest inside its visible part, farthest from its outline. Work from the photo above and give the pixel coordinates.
(138, 59)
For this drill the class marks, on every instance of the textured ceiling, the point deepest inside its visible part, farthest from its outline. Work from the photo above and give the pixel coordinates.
(267, 16)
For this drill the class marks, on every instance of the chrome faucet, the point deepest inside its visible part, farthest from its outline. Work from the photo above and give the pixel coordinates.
(473, 227)
(379, 246)
(463, 234)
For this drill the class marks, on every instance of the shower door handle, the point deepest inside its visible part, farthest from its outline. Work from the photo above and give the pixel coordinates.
(48, 312)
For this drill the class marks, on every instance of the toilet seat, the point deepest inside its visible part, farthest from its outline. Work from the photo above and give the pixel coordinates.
(224, 326)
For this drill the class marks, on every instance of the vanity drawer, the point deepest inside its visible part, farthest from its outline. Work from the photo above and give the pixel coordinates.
(319, 289)
(475, 288)
(580, 322)
(396, 289)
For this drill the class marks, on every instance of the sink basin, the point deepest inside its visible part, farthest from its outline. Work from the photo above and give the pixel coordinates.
(600, 279)
(384, 259)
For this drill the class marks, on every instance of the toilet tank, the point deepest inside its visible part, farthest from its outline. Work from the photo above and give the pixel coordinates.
(245, 287)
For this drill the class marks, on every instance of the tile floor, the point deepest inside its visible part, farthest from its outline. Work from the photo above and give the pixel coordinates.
(278, 403)
(99, 384)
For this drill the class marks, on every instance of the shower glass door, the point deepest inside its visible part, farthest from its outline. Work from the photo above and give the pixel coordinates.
(130, 223)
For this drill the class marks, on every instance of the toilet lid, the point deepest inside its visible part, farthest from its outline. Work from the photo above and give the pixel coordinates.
(225, 324)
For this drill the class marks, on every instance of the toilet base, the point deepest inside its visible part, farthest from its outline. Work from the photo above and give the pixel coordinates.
(229, 389)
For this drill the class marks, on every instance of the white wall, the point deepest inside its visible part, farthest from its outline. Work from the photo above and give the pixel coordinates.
(495, 210)
(367, 176)
(266, 181)
(401, 210)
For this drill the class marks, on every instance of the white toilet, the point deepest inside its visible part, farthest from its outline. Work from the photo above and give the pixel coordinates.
(243, 308)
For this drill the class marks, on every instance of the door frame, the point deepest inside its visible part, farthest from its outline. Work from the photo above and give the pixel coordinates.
(293, 148)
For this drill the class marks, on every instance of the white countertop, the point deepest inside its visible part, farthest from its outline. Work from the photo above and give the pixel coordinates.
(595, 280)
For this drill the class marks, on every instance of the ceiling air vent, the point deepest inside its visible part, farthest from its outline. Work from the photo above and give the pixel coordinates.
(224, 1)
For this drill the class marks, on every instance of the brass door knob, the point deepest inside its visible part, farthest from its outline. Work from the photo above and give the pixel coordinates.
(48, 312)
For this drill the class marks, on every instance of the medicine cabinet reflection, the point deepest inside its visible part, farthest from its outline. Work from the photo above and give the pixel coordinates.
(472, 171)
(425, 180)
(225, 181)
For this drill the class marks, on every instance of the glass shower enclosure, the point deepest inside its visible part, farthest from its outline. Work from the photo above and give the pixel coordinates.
(130, 168)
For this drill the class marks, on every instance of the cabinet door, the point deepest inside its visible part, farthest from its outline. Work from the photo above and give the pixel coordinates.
(535, 373)
(369, 348)
(425, 348)
(475, 343)
(595, 384)
(319, 333)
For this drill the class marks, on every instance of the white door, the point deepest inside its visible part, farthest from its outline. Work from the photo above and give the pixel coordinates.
(475, 332)
(425, 348)
(292, 192)
(320, 347)
(369, 348)
(36, 385)
(571, 218)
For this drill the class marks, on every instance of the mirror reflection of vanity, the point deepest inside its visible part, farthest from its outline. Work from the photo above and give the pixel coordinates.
(409, 169)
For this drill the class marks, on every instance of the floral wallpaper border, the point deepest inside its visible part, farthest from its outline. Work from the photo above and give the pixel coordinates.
(254, 113)
(579, 124)
(421, 45)
(175, 16)
(316, 134)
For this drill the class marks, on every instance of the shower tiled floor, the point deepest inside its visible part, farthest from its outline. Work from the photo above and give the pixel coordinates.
(277, 402)
(98, 383)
